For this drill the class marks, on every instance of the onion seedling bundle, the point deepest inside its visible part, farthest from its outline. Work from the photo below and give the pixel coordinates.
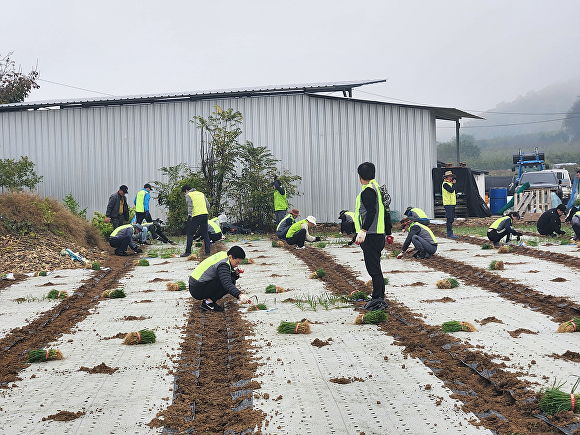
(114, 294)
(176, 286)
(143, 262)
(555, 400)
(372, 317)
(455, 326)
(274, 244)
(142, 337)
(294, 327)
(96, 265)
(41, 355)
(318, 274)
(504, 250)
(447, 283)
(248, 261)
(570, 326)
(358, 295)
(41, 273)
(274, 289)
(496, 265)
(486, 246)
(55, 294)
(257, 307)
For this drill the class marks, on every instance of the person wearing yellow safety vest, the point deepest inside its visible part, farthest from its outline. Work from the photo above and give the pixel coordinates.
(576, 225)
(449, 200)
(280, 201)
(286, 223)
(417, 215)
(420, 236)
(214, 230)
(197, 212)
(122, 236)
(141, 202)
(215, 277)
(502, 227)
(298, 232)
(369, 222)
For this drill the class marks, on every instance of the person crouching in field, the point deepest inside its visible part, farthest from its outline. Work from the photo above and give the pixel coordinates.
(502, 227)
(215, 277)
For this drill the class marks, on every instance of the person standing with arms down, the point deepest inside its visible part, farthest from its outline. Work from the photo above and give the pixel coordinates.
(280, 201)
(117, 210)
(197, 213)
(449, 200)
(370, 227)
(141, 202)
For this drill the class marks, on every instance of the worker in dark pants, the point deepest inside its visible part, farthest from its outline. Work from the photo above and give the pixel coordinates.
(197, 213)
(449, 200)
(298, 232)
(503, 227)
(122, 236)
(421, 237)
(141, 202)
(370, 227)
(215, 277)
(117, 209)
(550, 223)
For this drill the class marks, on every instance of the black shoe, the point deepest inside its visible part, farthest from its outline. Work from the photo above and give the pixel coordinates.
(420, 255)
(185, 254)
(121, 253)
(376, 304)
(212, 306)
(427, 256)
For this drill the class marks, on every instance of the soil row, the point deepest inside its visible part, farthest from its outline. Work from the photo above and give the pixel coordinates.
(502, 401)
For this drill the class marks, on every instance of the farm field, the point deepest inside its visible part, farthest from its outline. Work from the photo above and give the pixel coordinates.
(232, 372)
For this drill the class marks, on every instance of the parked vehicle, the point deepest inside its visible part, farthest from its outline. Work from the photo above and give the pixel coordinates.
(542, 179)
(526, 162)
(565, 182)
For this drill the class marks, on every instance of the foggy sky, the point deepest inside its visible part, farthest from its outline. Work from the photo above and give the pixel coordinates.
(466, 54)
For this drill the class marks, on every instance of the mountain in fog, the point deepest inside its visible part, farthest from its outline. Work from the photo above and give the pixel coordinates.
(535, 112)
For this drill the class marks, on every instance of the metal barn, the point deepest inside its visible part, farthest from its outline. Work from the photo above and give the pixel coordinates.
(90, 147)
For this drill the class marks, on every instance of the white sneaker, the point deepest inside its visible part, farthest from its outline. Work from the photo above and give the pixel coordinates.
(300, 247)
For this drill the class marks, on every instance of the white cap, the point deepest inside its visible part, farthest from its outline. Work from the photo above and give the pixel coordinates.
(311, 219)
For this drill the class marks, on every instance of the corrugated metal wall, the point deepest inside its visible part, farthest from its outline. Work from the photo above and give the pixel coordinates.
(90, 151)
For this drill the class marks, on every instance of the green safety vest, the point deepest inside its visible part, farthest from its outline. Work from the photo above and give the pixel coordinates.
(198, 202)
(295, 227)
(215, 224)
(116, 230)
(378, 225)
(350, 213)
(289, 215)
(207, 269)
(426, 228)
(140, 201)
(280, 201)
(448, 197)
(498, 221)
(419, 213)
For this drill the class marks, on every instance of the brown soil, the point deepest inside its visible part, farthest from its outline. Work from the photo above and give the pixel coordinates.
(446, 299)
(319, 343)
(519, 331)
(101, 368)
(491, 319)
(64, 416)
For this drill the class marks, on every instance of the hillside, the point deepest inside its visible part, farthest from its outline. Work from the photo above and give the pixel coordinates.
(536, 112)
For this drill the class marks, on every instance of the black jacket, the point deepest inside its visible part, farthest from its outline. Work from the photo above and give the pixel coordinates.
(114, 204)
(549, 222)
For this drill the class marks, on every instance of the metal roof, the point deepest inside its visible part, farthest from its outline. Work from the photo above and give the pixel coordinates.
(344, 87)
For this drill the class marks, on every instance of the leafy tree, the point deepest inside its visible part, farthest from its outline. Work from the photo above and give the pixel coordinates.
(218, 154)
(14, 85)
(18, 174)
(252, 200)
(469, 151)
(169, 194)
(572, 120)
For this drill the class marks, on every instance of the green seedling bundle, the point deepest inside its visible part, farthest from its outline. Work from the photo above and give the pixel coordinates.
(257, 307)
(555, 400)
(294, 327)
(570, 326)
(274, 289)
(358, 295)
(114, 294)
(56, 294)
(455, 326)
(318, 274)
(143, 262)
(372, 317)
(143, 336)
(447, 283)
(176, 286)
(496, 265)
(41, 355)
(96, 265)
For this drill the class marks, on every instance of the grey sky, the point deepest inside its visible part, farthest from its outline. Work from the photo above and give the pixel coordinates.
(456, 53)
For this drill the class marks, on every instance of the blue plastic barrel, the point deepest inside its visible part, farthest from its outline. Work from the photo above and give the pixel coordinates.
(497, 199)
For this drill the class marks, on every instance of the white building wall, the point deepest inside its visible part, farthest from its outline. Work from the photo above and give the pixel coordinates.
(89, 152)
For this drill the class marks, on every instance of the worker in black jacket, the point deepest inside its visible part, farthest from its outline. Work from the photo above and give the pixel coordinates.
(117, 209)
(549, 223)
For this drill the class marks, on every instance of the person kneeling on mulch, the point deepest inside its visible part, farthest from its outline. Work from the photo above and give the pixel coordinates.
(216, 276)
(422, 238)
(502, 227)
(122, 237)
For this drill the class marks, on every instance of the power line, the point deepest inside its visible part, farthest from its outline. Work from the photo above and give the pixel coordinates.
(516, 123)
(75, 87)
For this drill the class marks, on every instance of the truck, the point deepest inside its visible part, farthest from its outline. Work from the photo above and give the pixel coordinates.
(526, 162)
